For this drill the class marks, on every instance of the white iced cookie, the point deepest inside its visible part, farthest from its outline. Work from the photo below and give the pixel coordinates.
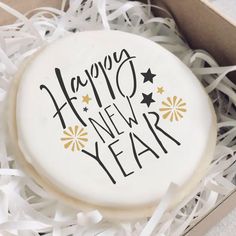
(111, 119)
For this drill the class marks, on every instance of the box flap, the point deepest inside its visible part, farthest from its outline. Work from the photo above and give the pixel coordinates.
(204, 28)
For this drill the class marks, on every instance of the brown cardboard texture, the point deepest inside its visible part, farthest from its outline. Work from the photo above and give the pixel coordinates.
(204, 28)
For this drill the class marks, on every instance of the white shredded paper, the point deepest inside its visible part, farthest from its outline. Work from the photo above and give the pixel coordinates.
(28, 210)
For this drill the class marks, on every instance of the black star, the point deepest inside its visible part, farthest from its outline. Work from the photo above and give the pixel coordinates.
(148, 76)
(147, 99)
(85, 109)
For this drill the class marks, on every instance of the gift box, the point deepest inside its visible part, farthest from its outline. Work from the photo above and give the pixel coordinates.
(203, 27)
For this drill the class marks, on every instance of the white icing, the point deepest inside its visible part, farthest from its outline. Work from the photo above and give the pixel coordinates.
(78, 174)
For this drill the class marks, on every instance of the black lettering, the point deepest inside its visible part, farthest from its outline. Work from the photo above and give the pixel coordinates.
(128, 59)
(96, 157)
(130, 119)
(159, 129)
(107, 81)
(117, 160)
(77, 80)
(60, 80)
(147, 148)
(107, 129)
(110, 116)
(58, 110)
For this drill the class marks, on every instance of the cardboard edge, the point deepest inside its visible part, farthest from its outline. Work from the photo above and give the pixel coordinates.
(217, 12)
(24, 7)
(225, 206)
(212, 32)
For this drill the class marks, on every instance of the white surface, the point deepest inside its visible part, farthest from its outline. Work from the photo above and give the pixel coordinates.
(227, 7)
(227, 226)
(39, 131)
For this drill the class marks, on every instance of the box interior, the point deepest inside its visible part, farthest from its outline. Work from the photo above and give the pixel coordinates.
(204, 28)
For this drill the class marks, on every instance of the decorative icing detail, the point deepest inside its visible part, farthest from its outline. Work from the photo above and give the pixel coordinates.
(104, 84)
(85, 109)
(147, 99)
(148, 76)
(173, 108)
(86, 99)
(75, 138)
(160, 90)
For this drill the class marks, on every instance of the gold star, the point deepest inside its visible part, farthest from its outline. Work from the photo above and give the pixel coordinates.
(86, 99)
(160, 90)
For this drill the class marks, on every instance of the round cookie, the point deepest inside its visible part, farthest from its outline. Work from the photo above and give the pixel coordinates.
(111, 119)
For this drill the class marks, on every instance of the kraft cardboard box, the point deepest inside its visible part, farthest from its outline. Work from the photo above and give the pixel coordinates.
(206, 28)
(203, 27)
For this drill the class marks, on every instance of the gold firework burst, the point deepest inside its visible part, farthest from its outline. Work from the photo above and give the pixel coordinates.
(173, 108)
(75, 138)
